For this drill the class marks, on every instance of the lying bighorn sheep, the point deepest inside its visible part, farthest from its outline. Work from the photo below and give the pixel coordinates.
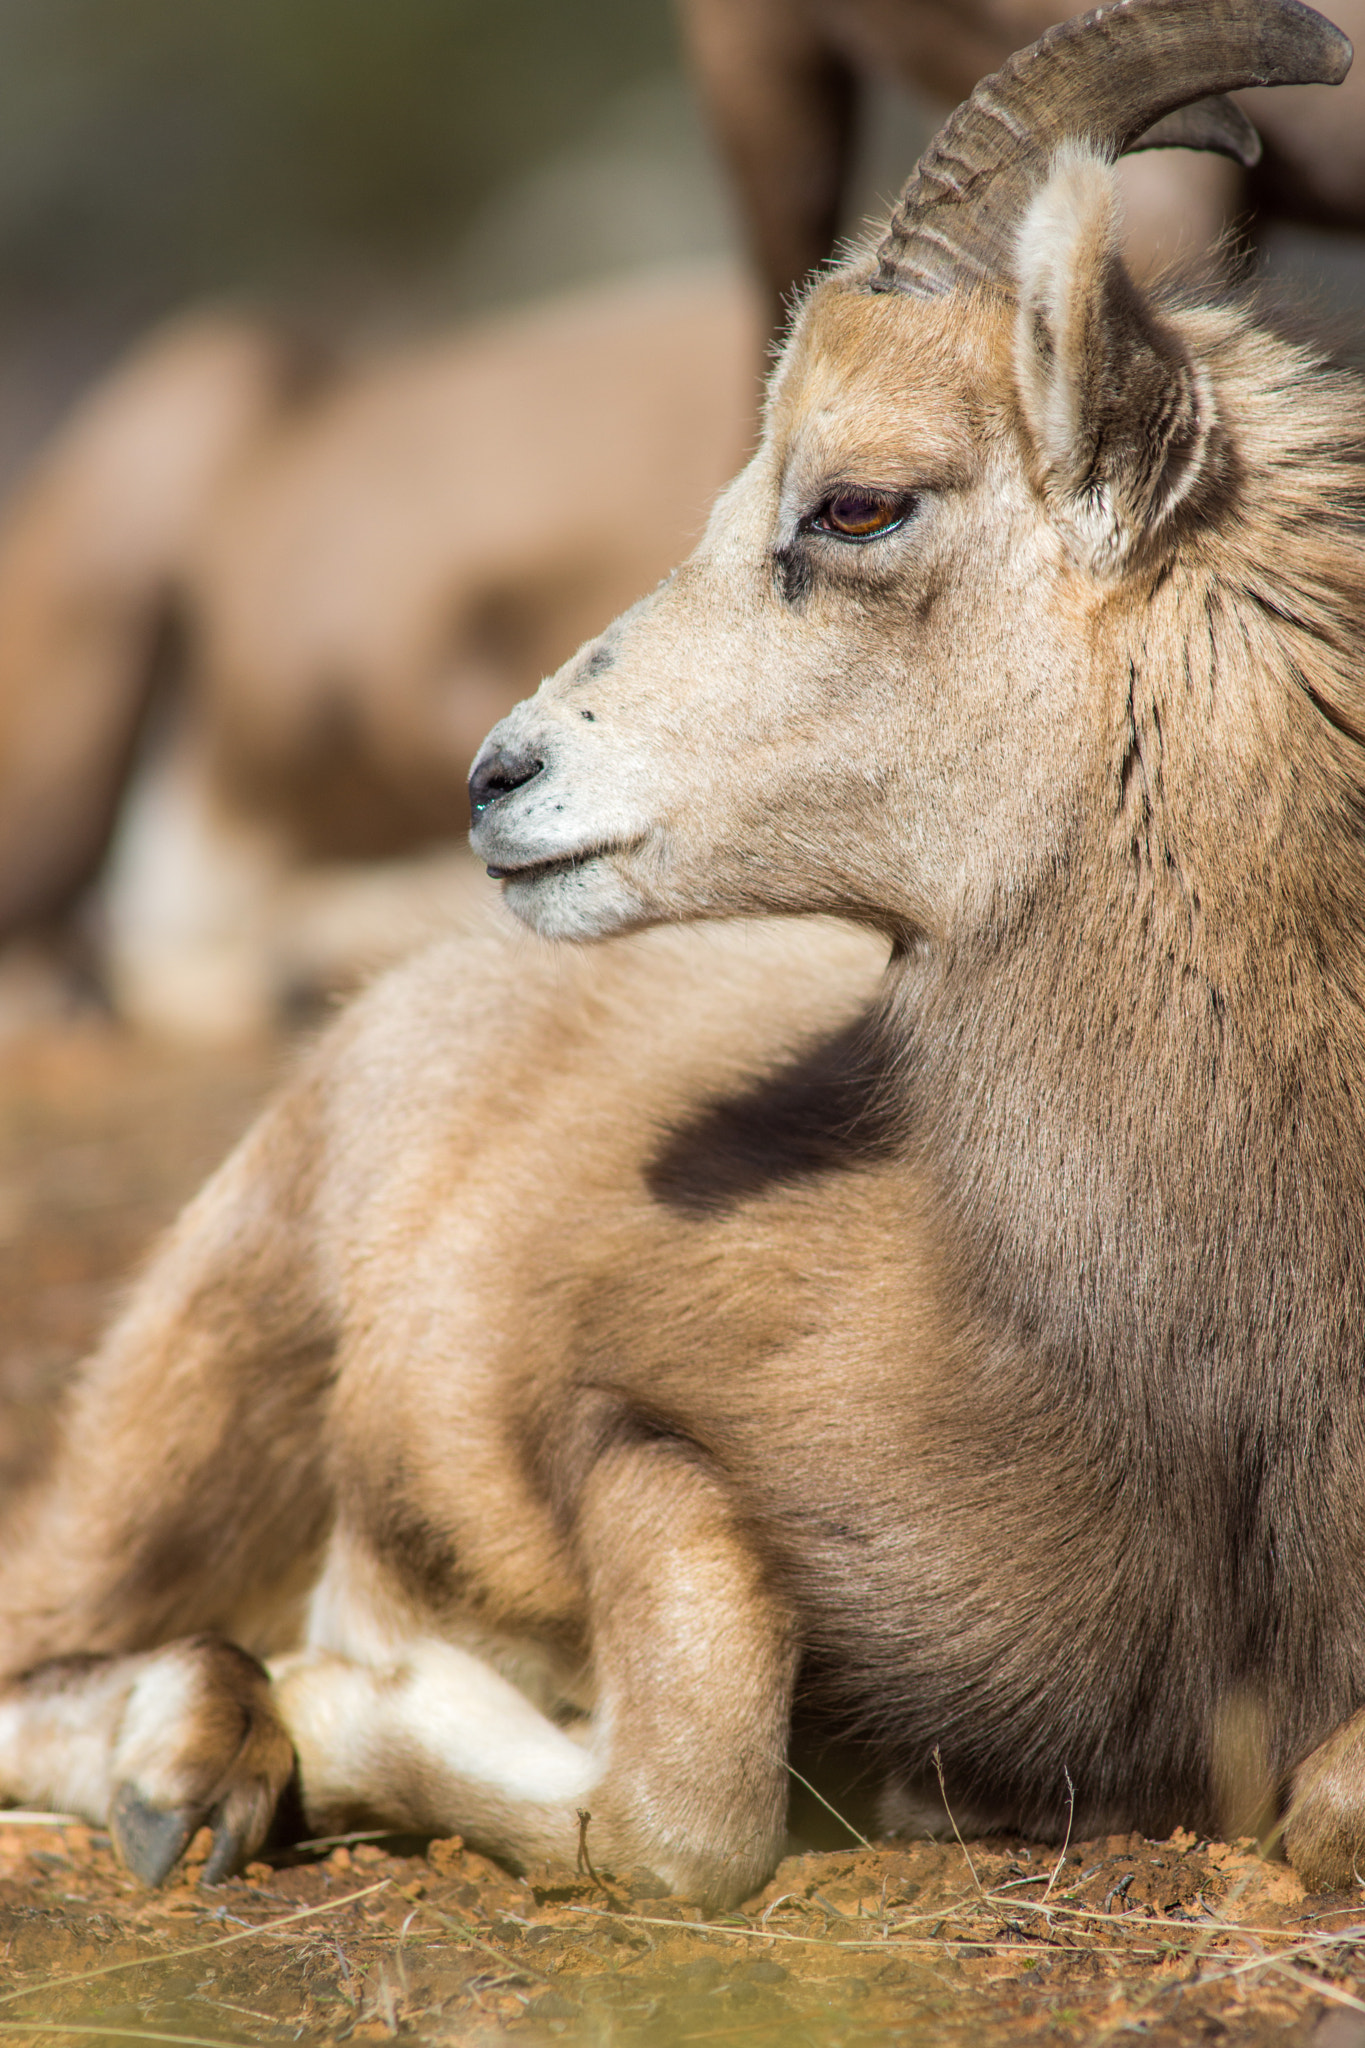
(363, 573)
(596, 1351)
(781, 80)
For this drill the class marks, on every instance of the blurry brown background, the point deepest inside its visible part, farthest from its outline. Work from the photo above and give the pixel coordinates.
(371, 168)
(356, 161)
(368, 165)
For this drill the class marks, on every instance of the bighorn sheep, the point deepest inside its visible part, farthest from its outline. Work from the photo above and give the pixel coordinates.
(597, 1350)
(359, 582)
(781, 78)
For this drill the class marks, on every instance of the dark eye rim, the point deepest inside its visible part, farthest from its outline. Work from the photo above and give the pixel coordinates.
(901, 505)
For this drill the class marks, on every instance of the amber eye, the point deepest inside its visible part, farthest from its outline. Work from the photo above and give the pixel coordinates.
(862, 515)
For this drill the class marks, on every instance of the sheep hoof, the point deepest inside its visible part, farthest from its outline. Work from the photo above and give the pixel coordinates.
(150, 1839)
(234, 1837)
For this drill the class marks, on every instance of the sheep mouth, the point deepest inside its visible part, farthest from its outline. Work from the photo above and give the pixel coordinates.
(542, 870)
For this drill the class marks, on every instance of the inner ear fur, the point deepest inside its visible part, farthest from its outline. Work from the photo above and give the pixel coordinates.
(1119, 415)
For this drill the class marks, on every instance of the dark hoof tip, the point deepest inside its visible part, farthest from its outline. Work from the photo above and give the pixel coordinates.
(150, 1839)
(225, 1856)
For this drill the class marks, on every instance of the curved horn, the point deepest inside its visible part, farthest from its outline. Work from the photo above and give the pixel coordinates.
(1106, 78)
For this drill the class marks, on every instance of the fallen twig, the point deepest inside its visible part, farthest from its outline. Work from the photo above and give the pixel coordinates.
(1066, 1843)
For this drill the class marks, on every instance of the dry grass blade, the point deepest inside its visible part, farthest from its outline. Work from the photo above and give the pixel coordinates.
(246, 2012)
(84, 2027)
(346, 1841)
(175, 1955)
(825, 1803)
(1198, 1933)
(885, 1945)
(1320, 1986)
(1188, 1929)
(1316, 1944)
(732, 2033)
(943, 1793)
(1066, 1840)
(1191, 1939)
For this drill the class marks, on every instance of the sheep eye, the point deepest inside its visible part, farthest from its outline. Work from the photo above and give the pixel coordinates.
(862, 515)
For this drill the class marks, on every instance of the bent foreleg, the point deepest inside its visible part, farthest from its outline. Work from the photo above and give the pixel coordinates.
(682, 1765)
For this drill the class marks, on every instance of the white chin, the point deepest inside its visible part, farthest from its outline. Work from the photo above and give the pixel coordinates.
(588, 901)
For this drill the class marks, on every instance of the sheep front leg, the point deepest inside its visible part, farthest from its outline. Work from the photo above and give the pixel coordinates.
(683, 1762)
(155, 1745)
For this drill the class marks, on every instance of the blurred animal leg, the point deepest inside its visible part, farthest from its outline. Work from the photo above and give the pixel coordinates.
(94, 546)
(186, 901)
(682, 1766)
(781, 101)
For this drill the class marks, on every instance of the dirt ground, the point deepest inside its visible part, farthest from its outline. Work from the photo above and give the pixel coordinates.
(984, 1943)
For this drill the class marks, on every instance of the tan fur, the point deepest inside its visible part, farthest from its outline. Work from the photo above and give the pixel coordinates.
(946, 1333)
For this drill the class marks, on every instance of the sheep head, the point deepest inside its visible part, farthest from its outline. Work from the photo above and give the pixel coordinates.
(890, 683)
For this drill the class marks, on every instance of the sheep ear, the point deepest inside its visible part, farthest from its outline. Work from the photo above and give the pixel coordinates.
(1119, 415)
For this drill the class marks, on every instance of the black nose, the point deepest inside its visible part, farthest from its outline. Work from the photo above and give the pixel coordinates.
(497, 773)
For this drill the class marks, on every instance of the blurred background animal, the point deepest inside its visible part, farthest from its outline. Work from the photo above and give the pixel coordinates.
(783, 80)
(282, 663)
(259, 600)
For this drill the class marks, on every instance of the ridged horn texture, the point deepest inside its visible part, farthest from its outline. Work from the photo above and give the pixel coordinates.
(1105, 78)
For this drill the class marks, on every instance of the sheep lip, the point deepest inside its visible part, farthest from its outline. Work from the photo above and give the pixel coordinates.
(539, 870)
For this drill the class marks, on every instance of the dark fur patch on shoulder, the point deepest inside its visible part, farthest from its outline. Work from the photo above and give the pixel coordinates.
(416, 1549)
(830, 1108)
